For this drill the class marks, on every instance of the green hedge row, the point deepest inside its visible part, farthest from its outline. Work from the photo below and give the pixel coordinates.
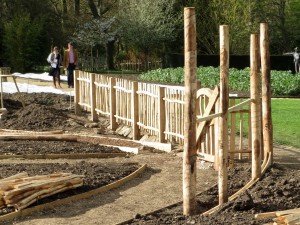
(283, 83)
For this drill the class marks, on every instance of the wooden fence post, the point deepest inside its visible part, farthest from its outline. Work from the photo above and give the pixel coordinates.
(190, 152)
(77, 92)
(223, 120)
(255, 106)
(94, 115)
(266, 91)
(135, 111)
(161, 114)
(113, 122)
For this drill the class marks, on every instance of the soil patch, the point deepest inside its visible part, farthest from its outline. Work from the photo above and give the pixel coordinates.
(23, 147)
(95, 175)
(278, 190)
(159, 186)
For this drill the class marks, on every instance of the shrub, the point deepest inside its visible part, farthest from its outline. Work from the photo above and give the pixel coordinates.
(283, 83)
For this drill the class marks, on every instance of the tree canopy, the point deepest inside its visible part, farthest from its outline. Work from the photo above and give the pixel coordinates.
(138, 29)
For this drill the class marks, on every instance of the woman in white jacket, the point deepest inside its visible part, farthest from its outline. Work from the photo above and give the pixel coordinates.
(54, 59)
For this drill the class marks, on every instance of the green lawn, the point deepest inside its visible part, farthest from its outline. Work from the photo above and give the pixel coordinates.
(286, 121)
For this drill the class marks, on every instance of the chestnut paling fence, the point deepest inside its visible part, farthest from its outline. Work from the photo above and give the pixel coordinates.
(138, 65)
(158, 110)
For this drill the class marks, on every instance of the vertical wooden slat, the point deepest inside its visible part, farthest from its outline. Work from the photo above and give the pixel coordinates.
(113, 109)
(241, 145)
(232, 134)
(161, 114)
(190, 72)
(249, 133)
(94, 116)
(216, 130)
(255, 102)
(134, 111)
(77, 93)
(266, 90)
(223, 120)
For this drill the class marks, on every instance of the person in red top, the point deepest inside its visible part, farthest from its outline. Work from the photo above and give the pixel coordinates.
(70, 63)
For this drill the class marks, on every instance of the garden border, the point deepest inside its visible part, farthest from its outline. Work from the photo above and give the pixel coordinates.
(116, 184)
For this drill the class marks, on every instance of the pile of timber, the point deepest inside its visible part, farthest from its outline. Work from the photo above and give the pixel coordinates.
(291, 216)
(20, 190)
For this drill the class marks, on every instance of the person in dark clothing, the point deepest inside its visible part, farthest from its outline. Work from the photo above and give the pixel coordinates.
(70, 63)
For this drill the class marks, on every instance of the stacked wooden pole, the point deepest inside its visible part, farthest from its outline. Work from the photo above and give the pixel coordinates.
(290, 216)
(20, 190)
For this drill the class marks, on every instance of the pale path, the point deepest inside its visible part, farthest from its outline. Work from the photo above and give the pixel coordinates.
(157, 187)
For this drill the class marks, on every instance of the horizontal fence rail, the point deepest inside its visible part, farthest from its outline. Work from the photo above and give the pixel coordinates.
(158, 110)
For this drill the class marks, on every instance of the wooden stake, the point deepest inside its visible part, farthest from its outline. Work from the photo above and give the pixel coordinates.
(161, 114)
(113, 121)
(190, 151)
(94, 115)
(77, 92)
(135, 111)
(223, 120)
(255, 106)
(266, 90)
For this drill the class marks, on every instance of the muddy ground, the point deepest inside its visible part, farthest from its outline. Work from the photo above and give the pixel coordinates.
(278, 190)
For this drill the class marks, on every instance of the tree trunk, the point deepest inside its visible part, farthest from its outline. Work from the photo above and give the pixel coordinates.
(76, 7)
(93, 9)
(65, 9)
(110, 47)
(100, 7)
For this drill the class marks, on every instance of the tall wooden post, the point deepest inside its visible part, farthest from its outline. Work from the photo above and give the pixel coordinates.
(266, 91)
(190, 78)
(94, 115)
(223, 120)
(255, 106)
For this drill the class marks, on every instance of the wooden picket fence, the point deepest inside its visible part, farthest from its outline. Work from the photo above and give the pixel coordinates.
(138, 65)
(158, 110)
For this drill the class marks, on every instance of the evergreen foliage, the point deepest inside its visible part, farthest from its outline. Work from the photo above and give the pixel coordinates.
(22, 42)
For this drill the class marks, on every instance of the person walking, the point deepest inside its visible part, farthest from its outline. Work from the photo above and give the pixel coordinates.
(70, 63)
(54, 59)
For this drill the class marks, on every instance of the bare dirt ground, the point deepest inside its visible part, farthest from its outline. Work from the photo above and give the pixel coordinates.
(159, 186)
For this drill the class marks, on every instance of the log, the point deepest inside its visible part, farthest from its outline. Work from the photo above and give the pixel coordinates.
(291, 216)
(265, 215)
(39, 137)
(289, 211)
(19, 192)
(19, 175)
(33, 185)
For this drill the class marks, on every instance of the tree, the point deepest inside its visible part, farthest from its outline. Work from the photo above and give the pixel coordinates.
(147, 25)
(96, 32)
(98, 13)
(22, 41)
